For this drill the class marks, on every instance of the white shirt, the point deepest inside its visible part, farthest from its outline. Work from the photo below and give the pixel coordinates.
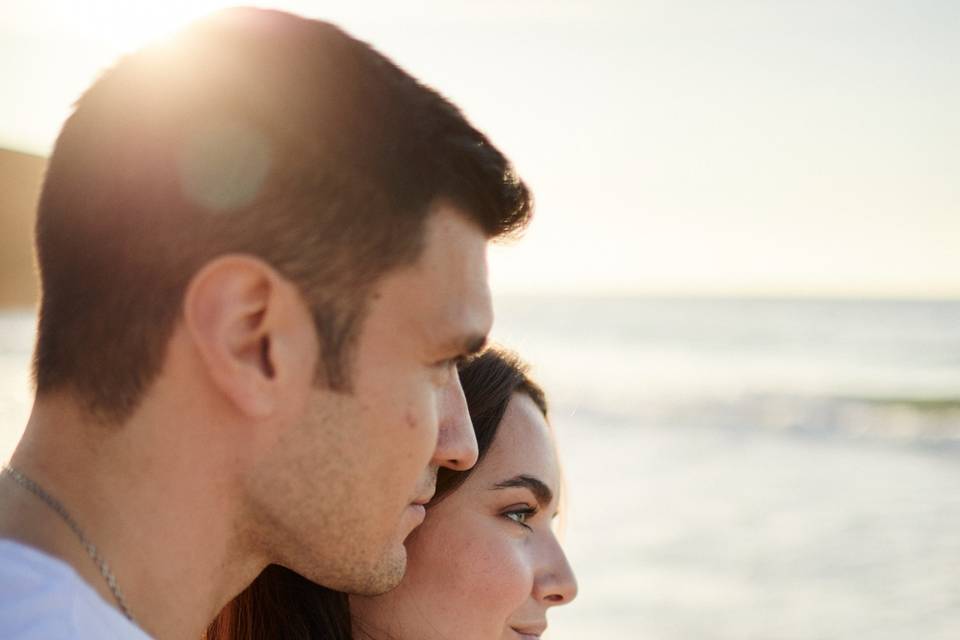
(43, 598)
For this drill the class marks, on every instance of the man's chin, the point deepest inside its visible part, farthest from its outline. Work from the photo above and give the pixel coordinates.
(386, 576)
(355, 574)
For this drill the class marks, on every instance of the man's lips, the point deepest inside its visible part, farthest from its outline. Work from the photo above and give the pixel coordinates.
(424, 498)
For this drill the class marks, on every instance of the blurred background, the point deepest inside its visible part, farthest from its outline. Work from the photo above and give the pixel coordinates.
(741, 289)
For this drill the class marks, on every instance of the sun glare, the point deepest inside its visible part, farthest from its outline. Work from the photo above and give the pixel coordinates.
(125, 25)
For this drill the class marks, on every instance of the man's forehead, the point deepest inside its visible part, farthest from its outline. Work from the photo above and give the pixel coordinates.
(444, 296)
(461, 323)
(454, 268)
(452, 241)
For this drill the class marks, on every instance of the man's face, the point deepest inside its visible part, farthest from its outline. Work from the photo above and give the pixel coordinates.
(336, 495)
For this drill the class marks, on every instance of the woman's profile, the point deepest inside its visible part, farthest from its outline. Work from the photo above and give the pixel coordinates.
(485, 564)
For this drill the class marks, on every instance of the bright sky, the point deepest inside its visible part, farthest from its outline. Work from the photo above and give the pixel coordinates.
(737, 147)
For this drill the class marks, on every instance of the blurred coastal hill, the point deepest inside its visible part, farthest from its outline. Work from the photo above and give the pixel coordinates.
(20, 177)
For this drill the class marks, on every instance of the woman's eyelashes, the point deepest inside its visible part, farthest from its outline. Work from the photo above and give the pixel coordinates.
(520, 514)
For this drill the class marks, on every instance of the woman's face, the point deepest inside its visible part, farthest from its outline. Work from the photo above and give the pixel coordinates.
(485, 564)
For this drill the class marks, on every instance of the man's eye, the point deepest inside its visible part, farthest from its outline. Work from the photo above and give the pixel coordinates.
(450, 363)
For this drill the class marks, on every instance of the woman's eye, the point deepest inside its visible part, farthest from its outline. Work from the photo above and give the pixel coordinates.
(520, 516)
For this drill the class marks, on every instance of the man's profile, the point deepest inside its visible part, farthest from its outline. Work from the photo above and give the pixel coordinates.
(262, 250)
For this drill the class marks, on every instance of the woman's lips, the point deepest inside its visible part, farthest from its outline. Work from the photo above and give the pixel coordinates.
(531, 632)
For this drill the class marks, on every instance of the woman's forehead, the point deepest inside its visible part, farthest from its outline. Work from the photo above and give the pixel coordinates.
(523, 445)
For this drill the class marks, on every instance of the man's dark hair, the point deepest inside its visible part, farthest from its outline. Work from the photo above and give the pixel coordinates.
(253, 132)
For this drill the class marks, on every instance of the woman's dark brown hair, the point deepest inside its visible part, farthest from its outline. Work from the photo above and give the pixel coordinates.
(282, 605)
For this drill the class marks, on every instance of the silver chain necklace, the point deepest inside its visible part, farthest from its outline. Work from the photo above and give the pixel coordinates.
(91, 548)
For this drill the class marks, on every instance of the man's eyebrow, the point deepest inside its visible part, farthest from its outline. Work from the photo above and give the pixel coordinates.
(467, 345)
(474, 344)
(539, 489)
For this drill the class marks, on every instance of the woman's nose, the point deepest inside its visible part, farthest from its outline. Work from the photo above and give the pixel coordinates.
(556, 584)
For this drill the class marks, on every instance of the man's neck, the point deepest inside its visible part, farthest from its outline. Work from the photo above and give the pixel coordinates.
(150, 505)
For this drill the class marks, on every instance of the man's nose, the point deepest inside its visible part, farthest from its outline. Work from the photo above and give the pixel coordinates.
(456, 440)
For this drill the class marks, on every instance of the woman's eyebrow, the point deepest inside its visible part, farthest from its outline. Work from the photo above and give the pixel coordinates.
(540, 490)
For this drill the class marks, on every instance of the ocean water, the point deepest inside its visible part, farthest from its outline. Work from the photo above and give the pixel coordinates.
(735, 469)
(754, 469)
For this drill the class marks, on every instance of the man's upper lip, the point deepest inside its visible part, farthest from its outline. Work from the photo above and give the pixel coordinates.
(530, 629)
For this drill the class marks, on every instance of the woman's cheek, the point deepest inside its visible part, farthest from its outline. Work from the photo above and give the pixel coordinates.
(497, 578)
(485, 576)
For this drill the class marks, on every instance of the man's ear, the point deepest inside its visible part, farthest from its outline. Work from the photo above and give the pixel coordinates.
(253, 333)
